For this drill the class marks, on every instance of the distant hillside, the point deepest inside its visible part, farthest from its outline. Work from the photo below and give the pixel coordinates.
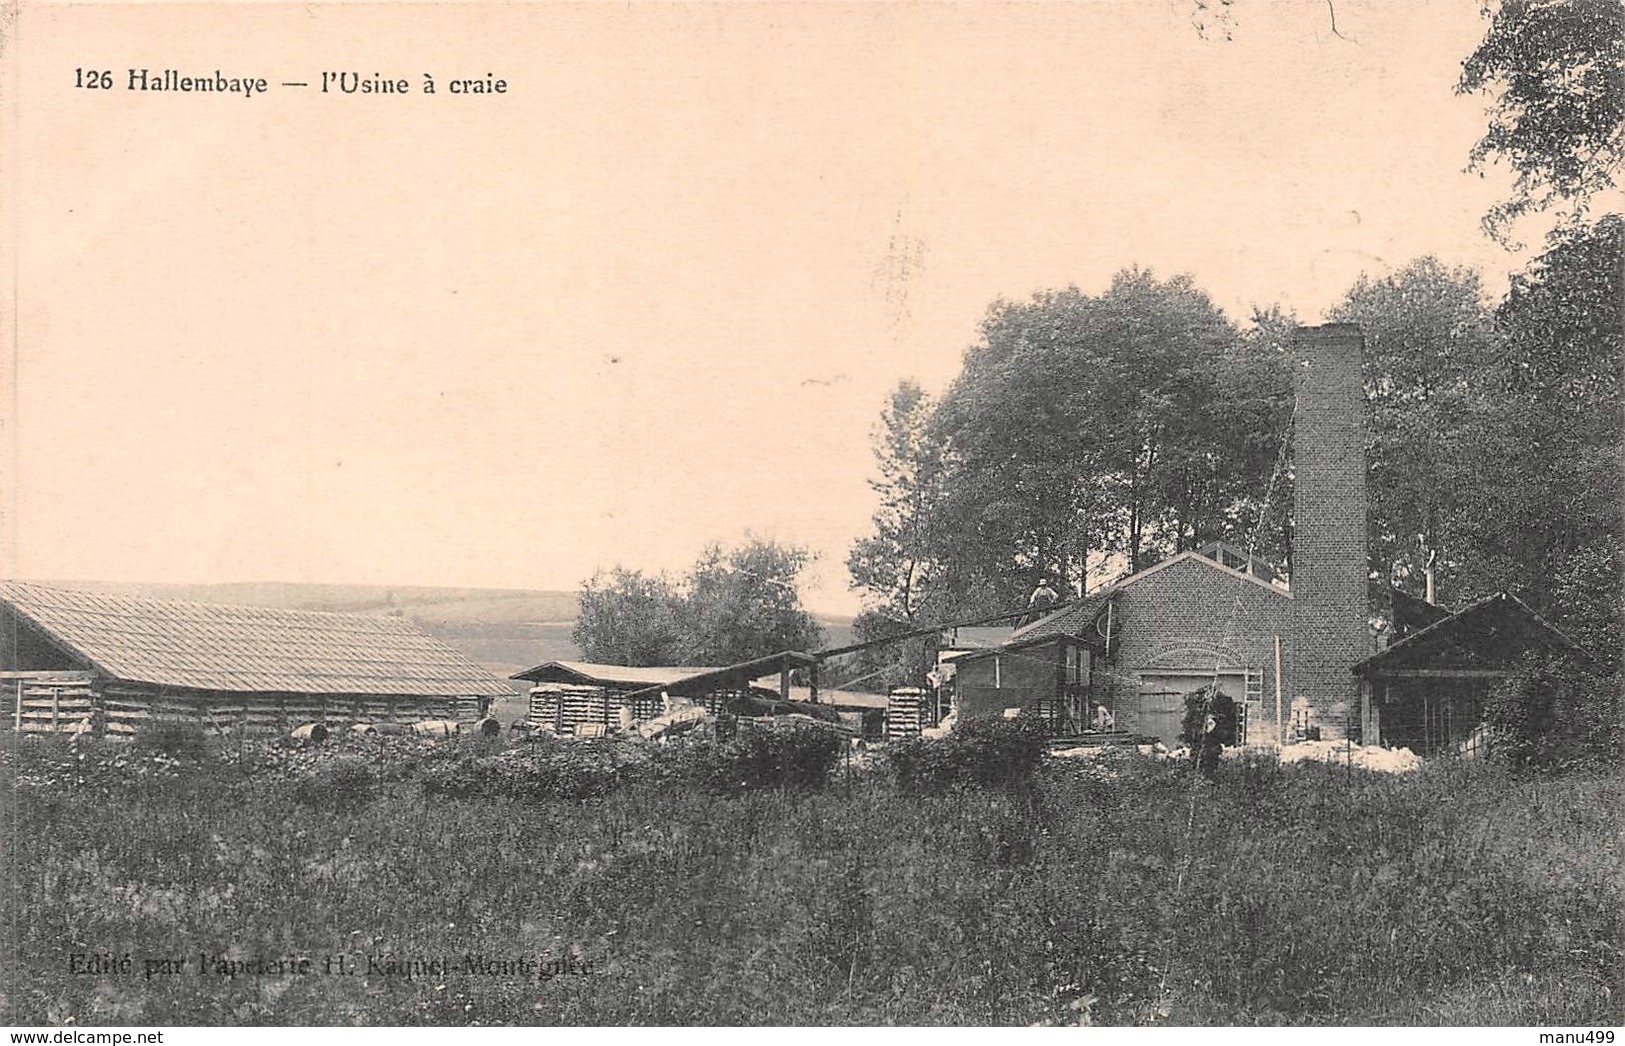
(418, 602)
(505, 630)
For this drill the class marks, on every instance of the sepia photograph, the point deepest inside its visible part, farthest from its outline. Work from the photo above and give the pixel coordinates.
(808, 514)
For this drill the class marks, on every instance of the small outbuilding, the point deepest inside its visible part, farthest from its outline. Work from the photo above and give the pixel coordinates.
(1047, 676)
(1427, 690)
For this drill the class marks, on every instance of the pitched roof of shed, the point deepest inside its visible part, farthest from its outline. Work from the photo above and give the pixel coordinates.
(1495, 630)
(594, 672)
(207, 646)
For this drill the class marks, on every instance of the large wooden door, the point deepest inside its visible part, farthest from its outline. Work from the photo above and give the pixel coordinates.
(1160, 704)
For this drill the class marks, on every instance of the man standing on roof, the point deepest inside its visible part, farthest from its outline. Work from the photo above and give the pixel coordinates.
(1041, 602)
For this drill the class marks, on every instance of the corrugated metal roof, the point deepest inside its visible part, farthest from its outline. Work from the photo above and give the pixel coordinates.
(207, 646)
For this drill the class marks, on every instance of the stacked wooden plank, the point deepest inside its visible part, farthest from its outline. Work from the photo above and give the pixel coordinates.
(128, 709)
(645, 707)
(719, 700)
(561, 707)
(119, 710)
(45, 706)
(906, 713)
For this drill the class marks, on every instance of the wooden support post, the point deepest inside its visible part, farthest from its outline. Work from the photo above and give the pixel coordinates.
(17, 717)
(1280, 727)
(812, 678)
(784, 680)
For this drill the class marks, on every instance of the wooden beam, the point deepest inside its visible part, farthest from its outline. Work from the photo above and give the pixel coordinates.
(1442, 673)
(65, 675)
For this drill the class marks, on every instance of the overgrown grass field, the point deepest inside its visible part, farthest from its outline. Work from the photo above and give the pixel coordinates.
(1115, 890)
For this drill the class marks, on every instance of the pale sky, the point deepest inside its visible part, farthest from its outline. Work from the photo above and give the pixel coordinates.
(654, 295)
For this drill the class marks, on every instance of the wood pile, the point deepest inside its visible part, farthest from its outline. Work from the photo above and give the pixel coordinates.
(907, 713)
(562, 707)
(119, 710)
(50, 707)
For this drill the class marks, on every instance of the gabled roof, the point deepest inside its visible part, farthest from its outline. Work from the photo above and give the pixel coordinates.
(1491, 633)
(590, 673)
(207, 646)
(1074, 618)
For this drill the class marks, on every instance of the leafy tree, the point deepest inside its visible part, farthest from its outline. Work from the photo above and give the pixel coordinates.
(895, 566)
(1541, 499)
(1261, 399)
(1133, 424)
(899, 568)
(743, 603)
(1556, 712)
(1428, 337)
(629, 618)
(1557, 71)
(733, 605)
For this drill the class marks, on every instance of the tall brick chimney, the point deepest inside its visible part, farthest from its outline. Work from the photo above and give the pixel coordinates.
(1330, 630)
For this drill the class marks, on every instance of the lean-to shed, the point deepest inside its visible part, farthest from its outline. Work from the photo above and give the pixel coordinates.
(113, 661)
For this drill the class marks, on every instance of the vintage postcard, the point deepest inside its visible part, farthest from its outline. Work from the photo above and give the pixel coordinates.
(811, 514)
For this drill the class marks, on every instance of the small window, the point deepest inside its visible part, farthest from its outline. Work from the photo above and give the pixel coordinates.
(1074, 665)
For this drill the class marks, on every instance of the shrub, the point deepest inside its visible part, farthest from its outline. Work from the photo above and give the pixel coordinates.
(337, 784)
(1554, 713)
(800, 757)
(171, 736)
(545, 774)
(997, 752)
(1200, 704)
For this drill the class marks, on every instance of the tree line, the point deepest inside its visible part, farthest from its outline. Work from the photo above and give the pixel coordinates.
(1088, 435)
(1093, 434)
(1120, 428)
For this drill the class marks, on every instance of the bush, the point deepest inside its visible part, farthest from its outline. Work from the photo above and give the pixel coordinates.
(170, 736)
(800, 757)
(545, 774)
(338, 784)
(1200, 704)
(1556, 713)
(1001, 753)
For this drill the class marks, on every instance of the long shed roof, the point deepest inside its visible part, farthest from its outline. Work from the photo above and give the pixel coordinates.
(208, 646)
(595, 673)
